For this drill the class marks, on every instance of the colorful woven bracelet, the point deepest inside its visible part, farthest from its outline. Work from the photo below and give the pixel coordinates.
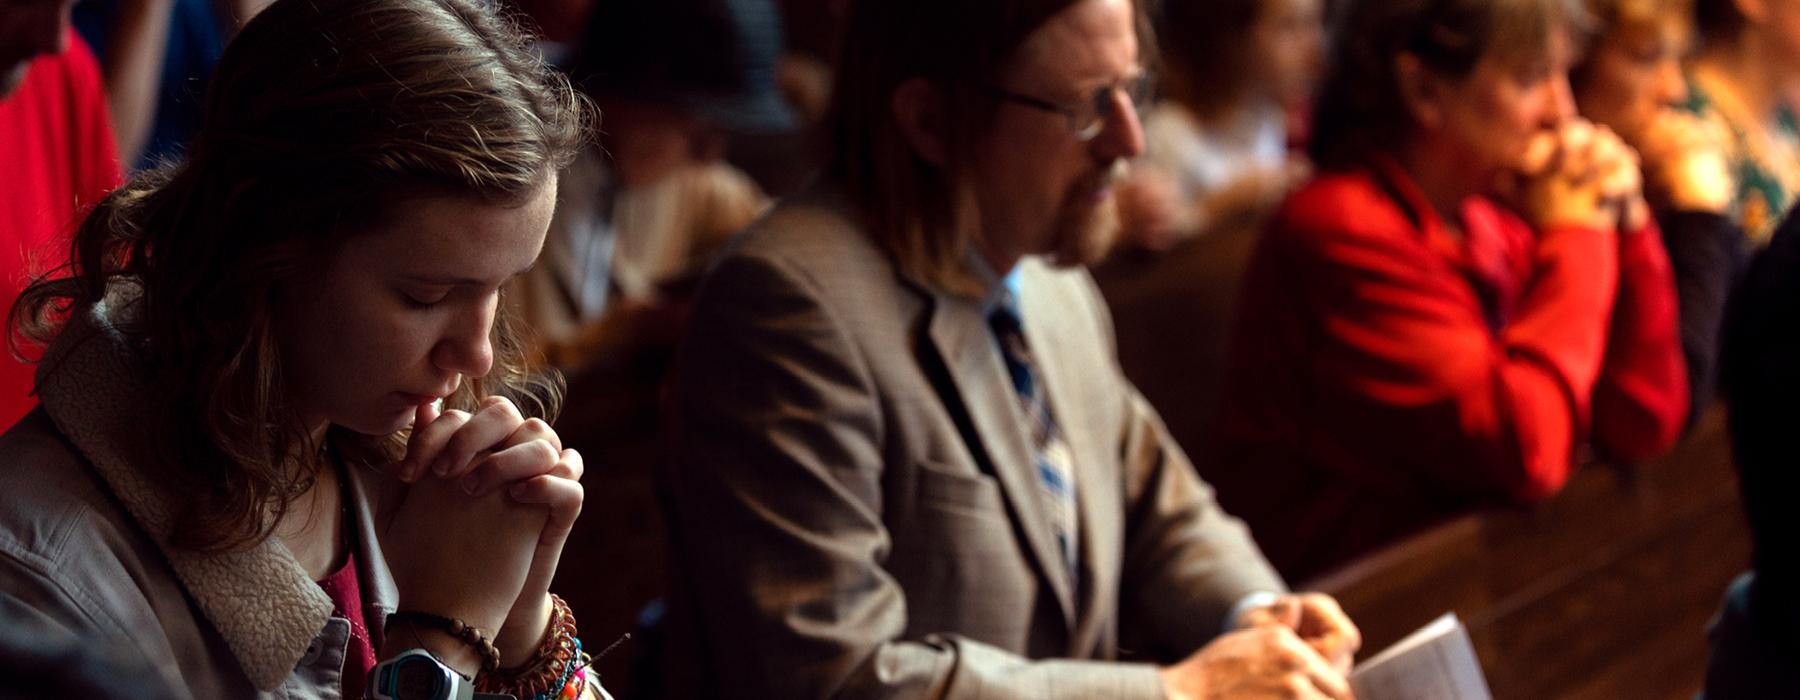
(556, 692)
(540, 674)
(577, 685)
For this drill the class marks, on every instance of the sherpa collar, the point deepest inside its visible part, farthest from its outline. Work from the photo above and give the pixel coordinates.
(259, 599)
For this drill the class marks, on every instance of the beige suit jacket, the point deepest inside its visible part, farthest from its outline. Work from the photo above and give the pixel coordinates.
(855, 507)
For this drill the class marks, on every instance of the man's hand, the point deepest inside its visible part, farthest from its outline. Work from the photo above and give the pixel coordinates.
(1317, 620)
(1259, 663)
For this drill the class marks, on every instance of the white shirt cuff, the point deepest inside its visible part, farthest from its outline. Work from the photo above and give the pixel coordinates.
(1247, 603)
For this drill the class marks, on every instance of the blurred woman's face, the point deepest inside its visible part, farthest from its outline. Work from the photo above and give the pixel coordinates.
(1781, 26)
(1488, 118)
(1289, 40)
(402, 313)
(1633, 73)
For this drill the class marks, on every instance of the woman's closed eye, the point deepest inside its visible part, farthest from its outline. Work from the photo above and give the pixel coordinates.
(425, 297)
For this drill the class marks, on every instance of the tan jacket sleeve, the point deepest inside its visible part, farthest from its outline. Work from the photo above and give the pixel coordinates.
(1187, 562)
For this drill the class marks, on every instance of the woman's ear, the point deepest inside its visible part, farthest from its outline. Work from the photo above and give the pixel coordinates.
(919, 111)
(1421, 93)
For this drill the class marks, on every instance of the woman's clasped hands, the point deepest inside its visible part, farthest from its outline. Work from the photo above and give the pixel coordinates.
(477, 521)
(1578, 174)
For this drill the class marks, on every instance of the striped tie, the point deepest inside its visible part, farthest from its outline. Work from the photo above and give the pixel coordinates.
(1051, 451)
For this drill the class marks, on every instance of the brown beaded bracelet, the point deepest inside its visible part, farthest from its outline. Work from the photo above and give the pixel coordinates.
(462, 631)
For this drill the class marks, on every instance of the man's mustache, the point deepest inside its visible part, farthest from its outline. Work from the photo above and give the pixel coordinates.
(1104, 177)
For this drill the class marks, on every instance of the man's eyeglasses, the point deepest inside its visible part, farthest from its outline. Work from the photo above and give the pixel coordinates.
(1088, 117)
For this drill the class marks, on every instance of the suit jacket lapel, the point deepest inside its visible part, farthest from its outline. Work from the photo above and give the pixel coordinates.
(962, 338)
(1052, 329)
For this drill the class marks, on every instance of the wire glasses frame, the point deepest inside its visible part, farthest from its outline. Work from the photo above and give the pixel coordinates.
(1088, 118)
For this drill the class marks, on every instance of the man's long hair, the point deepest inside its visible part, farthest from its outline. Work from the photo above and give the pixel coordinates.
(922, 213)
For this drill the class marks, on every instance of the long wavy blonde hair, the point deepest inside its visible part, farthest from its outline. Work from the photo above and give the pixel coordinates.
(321, 113)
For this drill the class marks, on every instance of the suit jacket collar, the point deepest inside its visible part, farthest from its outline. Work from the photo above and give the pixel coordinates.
(960, 333)
(259, 598)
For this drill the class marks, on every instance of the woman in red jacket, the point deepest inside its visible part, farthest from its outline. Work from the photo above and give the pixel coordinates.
(1471, 289)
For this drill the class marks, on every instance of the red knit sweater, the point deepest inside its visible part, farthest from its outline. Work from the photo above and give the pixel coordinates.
(1386, 373)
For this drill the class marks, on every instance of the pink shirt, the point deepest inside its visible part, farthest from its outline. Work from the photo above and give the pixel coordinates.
(344, 587)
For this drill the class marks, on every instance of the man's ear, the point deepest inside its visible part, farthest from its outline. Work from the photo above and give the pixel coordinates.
(1421, 93)
(919, 111)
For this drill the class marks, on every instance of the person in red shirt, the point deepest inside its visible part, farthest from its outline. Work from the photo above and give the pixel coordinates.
(57, 150)
(1472, 288)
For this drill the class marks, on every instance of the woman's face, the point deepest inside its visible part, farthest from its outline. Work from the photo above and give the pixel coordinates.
(1289, 41)
(1633, 73)
(1488, 118)
(1780, 26)
(403, 312)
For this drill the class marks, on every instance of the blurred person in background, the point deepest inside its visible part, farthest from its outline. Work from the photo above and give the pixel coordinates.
(1233, 70)
(157, 56)
(56, 148)
(783, 163)
(1741, 82)
(641, 212)
(1630, 79)
(1470, 290)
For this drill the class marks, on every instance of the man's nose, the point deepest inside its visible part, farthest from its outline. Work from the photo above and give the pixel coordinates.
(1122, 138)
(1562, 101)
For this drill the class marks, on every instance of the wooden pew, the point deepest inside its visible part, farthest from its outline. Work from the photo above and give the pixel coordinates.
(1603, 592)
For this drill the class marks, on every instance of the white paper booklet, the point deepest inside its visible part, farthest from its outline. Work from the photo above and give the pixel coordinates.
(1435, 663)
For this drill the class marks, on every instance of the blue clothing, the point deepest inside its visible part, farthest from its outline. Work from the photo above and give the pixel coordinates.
(197, 37)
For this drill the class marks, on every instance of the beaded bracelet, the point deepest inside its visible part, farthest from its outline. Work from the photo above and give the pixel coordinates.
(463, 632)
(539, 675)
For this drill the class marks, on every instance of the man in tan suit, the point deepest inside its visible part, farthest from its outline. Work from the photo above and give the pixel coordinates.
(906, 463)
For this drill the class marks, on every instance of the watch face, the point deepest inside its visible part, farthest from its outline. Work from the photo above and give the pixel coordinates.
(419, 679)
